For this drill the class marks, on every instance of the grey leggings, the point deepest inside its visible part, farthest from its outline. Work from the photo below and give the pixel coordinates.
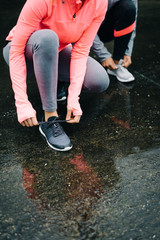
(49, 66)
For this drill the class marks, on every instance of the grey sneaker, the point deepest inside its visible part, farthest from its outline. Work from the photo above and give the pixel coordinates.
(121, 73)
(55, 135)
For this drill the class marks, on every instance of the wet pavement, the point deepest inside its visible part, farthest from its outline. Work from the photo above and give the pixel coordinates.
(107, 186)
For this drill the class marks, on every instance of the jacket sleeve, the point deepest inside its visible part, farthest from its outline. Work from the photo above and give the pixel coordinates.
(79, 57)
(100, 50)
(29, 19)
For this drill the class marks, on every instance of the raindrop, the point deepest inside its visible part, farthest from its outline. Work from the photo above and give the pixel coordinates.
(136, 149)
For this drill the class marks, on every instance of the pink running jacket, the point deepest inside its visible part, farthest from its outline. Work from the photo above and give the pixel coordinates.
(72, 24)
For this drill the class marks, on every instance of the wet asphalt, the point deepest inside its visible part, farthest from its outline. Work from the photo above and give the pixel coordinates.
(108, 186)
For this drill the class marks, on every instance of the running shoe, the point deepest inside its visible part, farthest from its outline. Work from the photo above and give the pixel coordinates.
(61, 93)
(121, 73)
(54, 134)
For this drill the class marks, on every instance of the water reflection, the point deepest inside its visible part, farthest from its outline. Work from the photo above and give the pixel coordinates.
(70, 185)
(122, 93)
(81, 195)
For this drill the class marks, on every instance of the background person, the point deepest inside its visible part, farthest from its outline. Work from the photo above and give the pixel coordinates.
(120, 26)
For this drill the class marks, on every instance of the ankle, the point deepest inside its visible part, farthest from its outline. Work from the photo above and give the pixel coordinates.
(50, 114)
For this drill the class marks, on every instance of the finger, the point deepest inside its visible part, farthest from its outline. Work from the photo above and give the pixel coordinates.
(26, 123)
(76, 119)
(71, 121)
(30, 123)
(34, 121)
(113, 66)
(123, 62)
(126, 64)
(23, 124)
(104, 64)
(69, 113)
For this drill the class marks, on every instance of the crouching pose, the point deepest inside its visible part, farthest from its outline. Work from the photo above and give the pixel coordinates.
(54, 38)
(120, 26)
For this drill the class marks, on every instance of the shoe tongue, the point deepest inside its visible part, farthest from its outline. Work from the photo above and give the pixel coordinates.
(51, 118)
(57, 130)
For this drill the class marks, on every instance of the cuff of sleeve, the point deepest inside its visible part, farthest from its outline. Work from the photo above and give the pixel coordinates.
(128, 52)
(75, 110)
(101, 59)
(25, 112)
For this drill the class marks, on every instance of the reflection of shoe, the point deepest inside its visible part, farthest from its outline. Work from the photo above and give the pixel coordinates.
(55, 135)
(121, 73)
(128, 86)
(124, 89)
(61, 93)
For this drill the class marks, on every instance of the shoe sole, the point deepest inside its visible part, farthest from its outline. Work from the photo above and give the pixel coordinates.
(121, 80)
(61, 99)
(56, 149)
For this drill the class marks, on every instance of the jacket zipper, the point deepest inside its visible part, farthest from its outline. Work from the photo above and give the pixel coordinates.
(74, 17)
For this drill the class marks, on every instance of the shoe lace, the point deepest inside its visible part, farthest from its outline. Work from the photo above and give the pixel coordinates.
(54, 124)
(122, 68)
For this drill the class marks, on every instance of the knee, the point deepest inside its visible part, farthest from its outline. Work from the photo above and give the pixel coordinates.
(47, 41)
(97, 81)
(101, 83)
(128, 10)
(131, 11)
(6, 53)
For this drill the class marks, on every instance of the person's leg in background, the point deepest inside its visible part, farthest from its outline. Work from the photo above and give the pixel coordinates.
(118, 26)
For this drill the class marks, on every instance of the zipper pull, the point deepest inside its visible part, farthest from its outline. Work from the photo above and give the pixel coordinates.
(74, 16)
